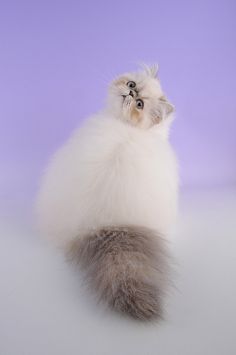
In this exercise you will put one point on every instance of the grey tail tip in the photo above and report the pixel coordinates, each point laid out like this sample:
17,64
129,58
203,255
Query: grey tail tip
127,267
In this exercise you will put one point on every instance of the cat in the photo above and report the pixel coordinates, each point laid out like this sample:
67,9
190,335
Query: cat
109,196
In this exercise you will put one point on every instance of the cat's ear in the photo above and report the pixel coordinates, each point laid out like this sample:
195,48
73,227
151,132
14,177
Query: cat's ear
162,110
166,107
151,70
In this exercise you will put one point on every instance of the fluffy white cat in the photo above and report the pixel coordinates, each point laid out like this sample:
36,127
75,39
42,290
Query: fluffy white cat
110,193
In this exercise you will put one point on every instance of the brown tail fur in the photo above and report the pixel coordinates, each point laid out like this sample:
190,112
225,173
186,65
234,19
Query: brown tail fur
128,268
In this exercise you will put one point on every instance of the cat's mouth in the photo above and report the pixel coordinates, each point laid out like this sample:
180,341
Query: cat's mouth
127,99
127,96
124,97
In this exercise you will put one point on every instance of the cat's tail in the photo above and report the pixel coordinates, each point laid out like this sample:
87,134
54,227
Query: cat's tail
127,267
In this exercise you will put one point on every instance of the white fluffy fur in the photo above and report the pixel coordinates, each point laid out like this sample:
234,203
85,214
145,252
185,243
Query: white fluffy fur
111,172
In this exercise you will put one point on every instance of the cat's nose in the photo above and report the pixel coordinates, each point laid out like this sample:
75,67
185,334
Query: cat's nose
131,93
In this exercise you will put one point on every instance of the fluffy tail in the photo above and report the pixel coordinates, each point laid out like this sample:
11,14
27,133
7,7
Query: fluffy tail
127,267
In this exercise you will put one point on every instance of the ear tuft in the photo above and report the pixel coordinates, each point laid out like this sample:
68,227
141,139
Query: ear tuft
151,70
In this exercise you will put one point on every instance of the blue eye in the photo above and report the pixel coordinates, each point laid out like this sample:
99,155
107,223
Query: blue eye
139,104
131,84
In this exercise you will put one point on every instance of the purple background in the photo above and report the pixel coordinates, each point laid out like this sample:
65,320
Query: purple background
57,57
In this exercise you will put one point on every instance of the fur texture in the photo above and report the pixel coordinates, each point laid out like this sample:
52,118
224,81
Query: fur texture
127,267
117,170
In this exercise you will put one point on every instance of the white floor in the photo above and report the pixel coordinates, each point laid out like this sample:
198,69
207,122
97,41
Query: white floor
45,311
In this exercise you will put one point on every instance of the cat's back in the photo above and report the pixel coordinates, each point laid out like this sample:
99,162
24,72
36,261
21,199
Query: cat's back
74,174
107,173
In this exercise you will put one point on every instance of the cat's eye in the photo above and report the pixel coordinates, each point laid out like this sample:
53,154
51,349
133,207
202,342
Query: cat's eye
139,104
131,84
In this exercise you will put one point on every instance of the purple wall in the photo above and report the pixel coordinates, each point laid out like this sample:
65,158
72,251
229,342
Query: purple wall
56,58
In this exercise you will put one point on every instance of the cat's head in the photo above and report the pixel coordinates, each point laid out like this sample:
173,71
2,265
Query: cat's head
138,99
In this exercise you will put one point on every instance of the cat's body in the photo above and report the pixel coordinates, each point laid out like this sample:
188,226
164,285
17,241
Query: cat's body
108,196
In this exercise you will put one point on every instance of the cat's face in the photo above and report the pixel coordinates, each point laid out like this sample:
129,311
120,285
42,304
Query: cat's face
138,99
